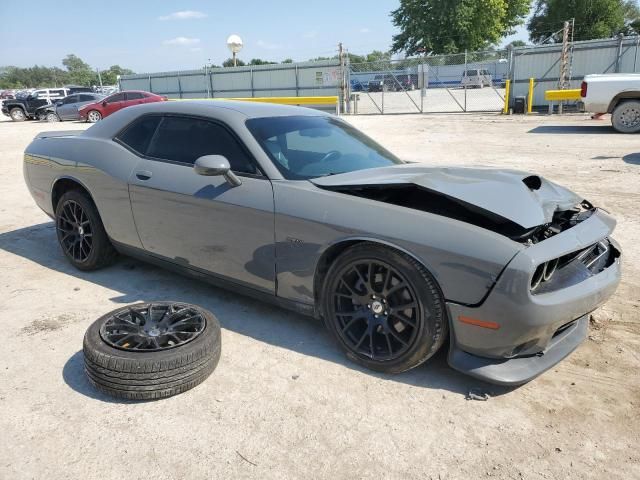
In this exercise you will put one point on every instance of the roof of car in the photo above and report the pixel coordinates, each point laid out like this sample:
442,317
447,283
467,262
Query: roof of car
218,109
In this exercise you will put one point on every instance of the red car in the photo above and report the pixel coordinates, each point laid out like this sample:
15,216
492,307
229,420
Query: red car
94,112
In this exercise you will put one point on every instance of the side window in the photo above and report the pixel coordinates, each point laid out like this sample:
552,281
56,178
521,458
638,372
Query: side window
87,98
184,140
134,96
138,135
70,99
118,97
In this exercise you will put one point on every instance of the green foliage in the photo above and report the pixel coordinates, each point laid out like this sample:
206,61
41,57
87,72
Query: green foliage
287,60
517,43
229,63
593,19
110,76
76,72
452,26
259,61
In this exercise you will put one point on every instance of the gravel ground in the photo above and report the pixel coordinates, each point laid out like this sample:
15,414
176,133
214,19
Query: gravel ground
284,403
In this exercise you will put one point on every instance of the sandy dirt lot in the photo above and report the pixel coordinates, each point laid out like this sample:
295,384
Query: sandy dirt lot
284,402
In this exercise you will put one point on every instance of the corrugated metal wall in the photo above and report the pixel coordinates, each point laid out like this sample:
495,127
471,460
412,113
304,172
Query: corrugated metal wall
617,55
280,80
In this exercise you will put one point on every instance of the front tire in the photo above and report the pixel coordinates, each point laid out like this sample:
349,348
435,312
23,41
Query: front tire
94,116
52,117
626,117
17,114
384,309
81,234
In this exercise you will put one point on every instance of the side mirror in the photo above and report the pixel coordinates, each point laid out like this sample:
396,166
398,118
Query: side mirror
104,103
59,103
215,165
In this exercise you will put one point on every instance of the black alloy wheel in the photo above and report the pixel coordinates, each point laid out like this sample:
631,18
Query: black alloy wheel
384,308
76,231
151,350
376,309
153,327
81,233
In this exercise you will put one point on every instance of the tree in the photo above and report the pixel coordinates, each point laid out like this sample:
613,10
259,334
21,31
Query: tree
452,26
517,43
110,76
259,61
593,19
80,73
287,60
229,63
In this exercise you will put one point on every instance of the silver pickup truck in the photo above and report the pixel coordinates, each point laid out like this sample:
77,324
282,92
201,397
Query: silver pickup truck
617,94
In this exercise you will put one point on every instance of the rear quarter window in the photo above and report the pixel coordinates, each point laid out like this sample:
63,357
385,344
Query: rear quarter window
137,136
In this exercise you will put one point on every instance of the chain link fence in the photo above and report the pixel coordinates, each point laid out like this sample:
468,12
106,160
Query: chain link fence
465,82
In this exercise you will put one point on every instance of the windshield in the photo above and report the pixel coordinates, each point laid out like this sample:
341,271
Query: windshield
308,147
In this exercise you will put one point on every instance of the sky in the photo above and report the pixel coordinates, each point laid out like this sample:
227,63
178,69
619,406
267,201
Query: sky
163,35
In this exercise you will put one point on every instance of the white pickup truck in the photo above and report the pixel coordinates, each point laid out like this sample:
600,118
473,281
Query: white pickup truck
617,94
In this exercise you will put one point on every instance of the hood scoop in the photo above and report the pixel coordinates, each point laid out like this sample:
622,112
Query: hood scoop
533,182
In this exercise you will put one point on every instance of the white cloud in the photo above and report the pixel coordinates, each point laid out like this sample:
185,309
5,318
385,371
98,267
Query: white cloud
364,30
310,34
182,41
183,15
268,45
196,49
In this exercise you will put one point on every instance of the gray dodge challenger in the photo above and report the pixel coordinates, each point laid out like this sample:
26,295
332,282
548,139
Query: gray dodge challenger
297,207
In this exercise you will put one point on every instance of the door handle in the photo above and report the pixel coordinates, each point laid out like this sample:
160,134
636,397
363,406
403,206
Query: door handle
144,174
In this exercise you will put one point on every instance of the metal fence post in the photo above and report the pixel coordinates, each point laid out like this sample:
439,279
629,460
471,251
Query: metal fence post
252,90
465,87
179,88
297,82
619,53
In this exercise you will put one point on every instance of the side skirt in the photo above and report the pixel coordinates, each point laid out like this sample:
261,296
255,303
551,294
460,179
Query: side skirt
216,280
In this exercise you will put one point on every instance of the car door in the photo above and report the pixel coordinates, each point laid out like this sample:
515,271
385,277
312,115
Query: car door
201,221
68,107
112,104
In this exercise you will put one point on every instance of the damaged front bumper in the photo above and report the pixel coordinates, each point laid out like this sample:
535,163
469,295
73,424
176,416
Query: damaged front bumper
515,335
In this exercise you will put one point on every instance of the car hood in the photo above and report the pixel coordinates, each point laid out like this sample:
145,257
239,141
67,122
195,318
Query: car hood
525,199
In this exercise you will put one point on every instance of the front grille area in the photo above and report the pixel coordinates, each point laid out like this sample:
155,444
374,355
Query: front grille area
578,266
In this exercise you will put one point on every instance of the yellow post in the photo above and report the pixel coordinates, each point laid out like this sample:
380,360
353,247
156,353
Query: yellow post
507,87
530,98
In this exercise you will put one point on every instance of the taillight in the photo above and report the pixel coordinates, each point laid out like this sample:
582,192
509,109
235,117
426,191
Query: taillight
583,89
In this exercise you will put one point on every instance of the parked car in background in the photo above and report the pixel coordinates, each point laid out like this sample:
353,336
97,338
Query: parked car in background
96,111
7,94
27,103
67,108
617,94
407,81
78,89
382,83
476,77
358,86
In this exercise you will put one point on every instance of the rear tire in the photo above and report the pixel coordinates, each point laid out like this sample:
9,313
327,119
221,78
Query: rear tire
94,116
385,326
626,117
17,114
81,234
